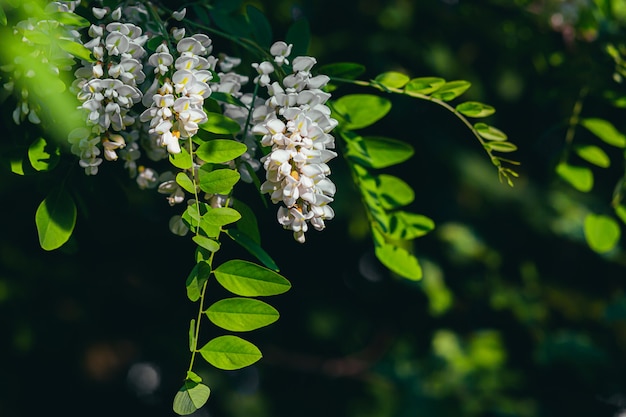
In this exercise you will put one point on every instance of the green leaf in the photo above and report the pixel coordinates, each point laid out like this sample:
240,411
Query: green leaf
501,146
605,131
253,247
399,260
601,232
219,181
261,29
55,219
235,24
580,178
220,124
381,152
76,49
299,35
196,279
490,132
190,397
230,352
241,314
221,216
392,79
620,211
181,160
218,151
70,19
361,110
424,85
407,226
192,335
250,280
206,243
475,109
394,192
593,155
451,90
185,182
43,155
345,70
248,223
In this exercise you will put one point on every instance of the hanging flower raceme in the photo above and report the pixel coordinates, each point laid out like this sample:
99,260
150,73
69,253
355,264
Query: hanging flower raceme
296,125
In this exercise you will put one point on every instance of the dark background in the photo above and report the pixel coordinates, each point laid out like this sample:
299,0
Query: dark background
516,316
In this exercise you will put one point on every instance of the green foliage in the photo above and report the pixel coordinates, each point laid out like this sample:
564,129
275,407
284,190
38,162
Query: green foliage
55,218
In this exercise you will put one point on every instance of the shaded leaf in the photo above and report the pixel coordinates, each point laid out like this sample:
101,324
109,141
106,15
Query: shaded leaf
253,247
241,314
345,70
230,352
250,280
196,279
299,35
190,397
261,29
55,219
601,232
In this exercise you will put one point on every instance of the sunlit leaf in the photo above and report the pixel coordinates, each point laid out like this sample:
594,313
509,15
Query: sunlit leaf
620,211
394,192
192,335
580,178
218,151
207,243
190,397
424,85
70,19
185,182
220,124
451,90
399,260
594,155
3,16
181,160
55,219
601,232
250,280
43,154
604,130
475,109
76,49
392,79
230,352
361,110
221,216
218,181
490,132
501,146
381,152
241,314
407,226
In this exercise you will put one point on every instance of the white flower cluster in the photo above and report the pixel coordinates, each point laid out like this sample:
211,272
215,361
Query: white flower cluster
176,104
296,124
108,89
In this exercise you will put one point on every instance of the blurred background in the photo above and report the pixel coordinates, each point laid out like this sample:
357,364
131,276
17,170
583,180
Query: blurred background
515,316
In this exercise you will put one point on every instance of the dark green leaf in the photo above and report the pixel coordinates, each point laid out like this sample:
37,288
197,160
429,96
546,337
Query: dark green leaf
55,219
248,224
241,314
261,29
253,247
230,352
196,279
227,98
299,35
345,70
250,280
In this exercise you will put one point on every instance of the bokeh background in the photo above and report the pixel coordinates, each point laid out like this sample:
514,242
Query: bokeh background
515,316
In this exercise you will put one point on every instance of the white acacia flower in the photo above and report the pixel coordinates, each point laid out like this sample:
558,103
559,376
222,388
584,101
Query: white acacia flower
179,15
280,51
263,69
